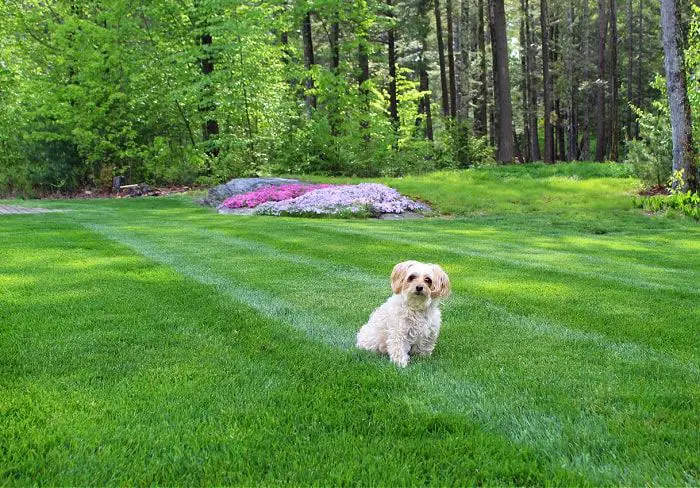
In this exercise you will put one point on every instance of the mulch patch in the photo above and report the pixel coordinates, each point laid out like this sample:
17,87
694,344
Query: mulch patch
655,190
139,191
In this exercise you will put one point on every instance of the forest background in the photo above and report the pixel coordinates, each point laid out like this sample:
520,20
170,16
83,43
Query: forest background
199,91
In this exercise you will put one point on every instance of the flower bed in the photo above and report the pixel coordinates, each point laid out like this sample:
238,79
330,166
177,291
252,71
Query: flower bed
268,194
366,199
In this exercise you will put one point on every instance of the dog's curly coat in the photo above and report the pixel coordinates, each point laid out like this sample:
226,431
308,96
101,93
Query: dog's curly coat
409,321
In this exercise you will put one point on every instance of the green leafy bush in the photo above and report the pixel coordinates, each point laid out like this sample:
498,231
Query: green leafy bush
686,203
652,155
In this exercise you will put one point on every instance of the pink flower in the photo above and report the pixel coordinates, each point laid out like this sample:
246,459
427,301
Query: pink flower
269,194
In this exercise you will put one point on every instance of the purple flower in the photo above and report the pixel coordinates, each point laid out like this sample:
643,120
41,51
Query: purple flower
268,194
371,198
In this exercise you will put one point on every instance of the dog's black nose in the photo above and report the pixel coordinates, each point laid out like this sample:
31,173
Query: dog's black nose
419,288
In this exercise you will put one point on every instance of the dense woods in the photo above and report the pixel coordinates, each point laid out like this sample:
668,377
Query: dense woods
204,90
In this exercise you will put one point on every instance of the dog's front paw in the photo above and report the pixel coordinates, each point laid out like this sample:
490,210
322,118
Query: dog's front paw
400,361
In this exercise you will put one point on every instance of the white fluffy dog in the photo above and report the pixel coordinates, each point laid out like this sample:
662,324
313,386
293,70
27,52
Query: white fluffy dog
409,321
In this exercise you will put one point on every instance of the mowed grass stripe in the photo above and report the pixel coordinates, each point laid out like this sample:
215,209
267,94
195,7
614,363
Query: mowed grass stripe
263,302
497,407
521,263
332,271
468,398
202,402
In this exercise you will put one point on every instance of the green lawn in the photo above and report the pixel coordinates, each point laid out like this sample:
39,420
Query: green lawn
152,341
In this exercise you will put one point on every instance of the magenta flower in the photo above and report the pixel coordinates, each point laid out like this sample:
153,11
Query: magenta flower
365,198
268,194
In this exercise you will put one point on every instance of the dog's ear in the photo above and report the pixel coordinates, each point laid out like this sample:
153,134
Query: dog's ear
441,283
398,275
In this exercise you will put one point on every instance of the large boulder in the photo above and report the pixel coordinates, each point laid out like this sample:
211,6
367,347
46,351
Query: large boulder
241,185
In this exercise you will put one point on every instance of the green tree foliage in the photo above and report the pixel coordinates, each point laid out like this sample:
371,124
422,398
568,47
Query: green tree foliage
651,155
90,90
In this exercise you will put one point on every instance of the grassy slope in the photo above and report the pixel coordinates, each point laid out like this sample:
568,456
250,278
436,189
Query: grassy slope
152,341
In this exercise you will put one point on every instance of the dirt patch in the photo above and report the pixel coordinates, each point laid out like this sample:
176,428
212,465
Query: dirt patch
17,209
655,190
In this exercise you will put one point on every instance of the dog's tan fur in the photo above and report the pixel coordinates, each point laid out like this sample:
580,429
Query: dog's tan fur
408,322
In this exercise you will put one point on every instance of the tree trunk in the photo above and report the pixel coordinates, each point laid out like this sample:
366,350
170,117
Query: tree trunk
493,132
640,51
462,82
586,139
602,36
548,129
335,47
480,111
391,40
308,62
210,128
681,125
441,60
534,141
451,59
630,54
573,106
504,152
462,78
560,142
424,107
524,87
614,109
334,117
423,25
363,62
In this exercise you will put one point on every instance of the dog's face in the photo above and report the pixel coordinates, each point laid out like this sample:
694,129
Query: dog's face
419,282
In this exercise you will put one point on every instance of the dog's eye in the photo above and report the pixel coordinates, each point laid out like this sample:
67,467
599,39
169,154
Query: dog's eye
428,281
412,277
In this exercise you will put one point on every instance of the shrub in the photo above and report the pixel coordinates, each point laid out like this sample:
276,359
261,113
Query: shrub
652,155
687,203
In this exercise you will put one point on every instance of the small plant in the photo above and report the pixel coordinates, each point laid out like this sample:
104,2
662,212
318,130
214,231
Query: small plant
652,155
685,202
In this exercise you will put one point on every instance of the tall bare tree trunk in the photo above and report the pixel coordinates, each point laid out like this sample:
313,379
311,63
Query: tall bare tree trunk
630,58
601,134
493,130
548,129
525,84
424,81
335,46
480,113
462,83
586,139
462,61
451,58
210,128
639,99
684,156
614,88
391,41
363,63
441,60
573,106
532,116
560,139
505,148
308,62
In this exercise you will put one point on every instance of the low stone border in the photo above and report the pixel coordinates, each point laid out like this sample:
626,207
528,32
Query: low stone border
16,209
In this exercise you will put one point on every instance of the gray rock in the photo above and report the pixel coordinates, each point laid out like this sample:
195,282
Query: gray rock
236,211
237,186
